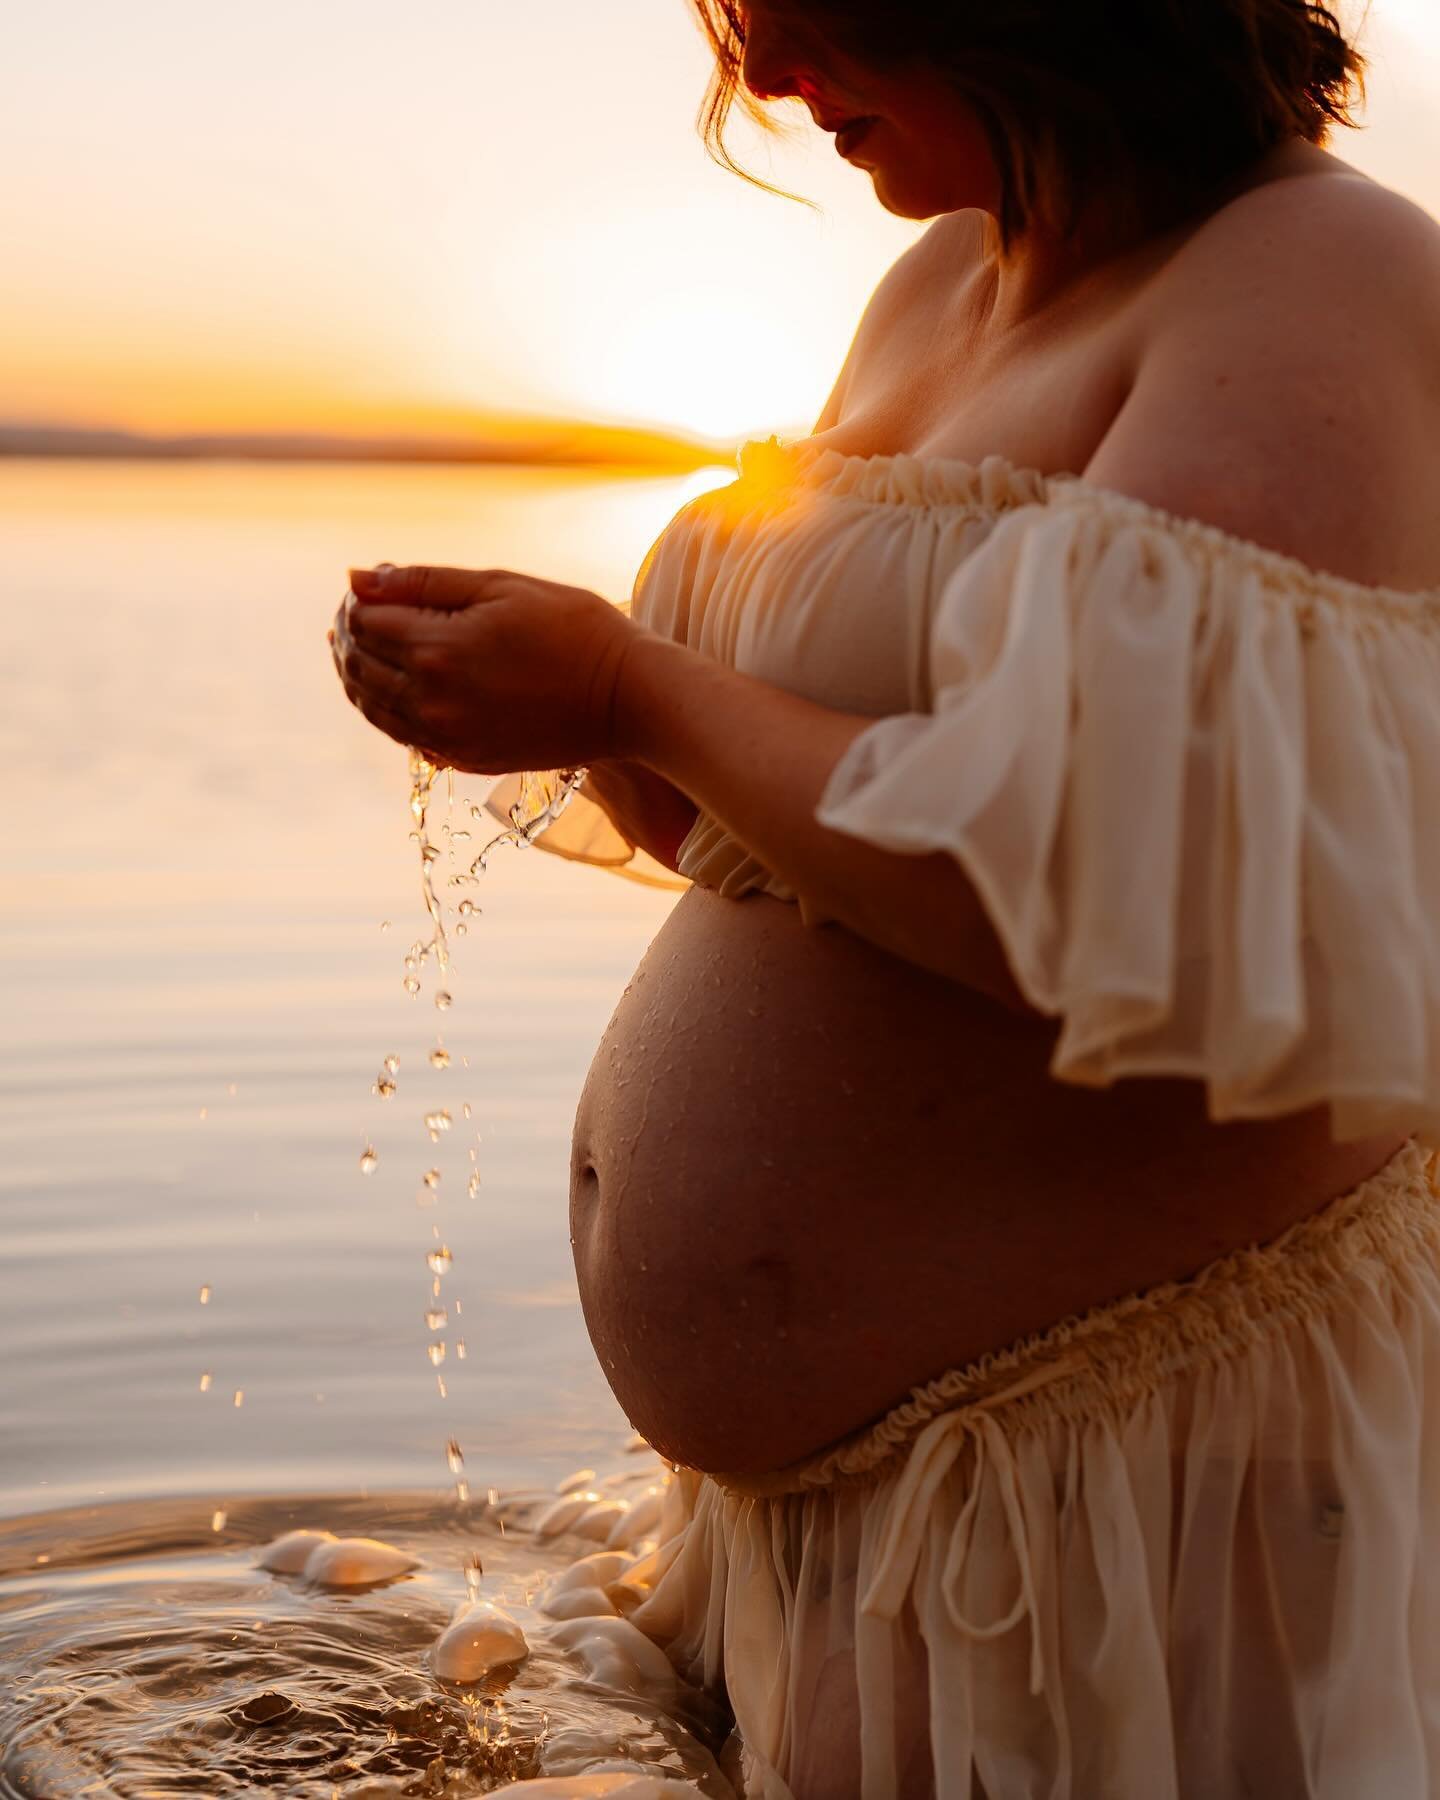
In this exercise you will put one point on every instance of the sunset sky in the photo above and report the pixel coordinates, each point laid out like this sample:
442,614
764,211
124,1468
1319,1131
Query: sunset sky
308,214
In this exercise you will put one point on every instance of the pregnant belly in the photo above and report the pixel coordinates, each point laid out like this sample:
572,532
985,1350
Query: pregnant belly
808,1176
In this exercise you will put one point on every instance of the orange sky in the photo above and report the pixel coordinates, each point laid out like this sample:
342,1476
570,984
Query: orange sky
325,216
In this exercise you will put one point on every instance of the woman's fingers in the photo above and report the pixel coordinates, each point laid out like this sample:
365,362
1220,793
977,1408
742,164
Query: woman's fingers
385,649
383,716
374,675
391,632
425,585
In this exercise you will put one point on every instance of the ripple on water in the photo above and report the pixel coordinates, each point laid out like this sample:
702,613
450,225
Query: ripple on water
148,1655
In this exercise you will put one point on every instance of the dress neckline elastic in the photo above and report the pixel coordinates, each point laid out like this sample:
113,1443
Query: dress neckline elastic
995,484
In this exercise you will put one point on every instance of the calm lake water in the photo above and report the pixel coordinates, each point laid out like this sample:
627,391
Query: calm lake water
202,840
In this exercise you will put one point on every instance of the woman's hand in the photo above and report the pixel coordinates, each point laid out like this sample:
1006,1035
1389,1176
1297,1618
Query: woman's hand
486,671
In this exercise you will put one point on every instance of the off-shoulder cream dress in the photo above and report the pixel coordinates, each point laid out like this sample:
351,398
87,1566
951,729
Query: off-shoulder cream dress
1187,1545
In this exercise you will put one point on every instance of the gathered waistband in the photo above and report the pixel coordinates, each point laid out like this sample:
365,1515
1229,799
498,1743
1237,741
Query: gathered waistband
1105,1361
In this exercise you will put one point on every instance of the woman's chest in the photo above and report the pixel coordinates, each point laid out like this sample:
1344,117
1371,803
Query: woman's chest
1043,400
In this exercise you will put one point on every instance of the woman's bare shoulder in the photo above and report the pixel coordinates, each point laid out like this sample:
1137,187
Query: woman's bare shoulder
1288,383
1321,252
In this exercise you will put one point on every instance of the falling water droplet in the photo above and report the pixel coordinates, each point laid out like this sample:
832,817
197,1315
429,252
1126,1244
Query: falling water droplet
412,986
205,1294
460,1348
432,1178
204,1112
239,1396
462,1491
439,1057
392,1064
368,1159
439,1259
442,999
384,1087
435,1317
436,1353
455,1456
384,924
217,1520
441,1388
465,1110
438,1121
472,1187
205,1381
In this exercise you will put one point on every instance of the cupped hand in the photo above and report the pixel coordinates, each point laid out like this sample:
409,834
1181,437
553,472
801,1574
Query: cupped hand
483,670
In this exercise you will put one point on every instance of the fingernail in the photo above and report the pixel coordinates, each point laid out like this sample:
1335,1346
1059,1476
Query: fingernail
365,582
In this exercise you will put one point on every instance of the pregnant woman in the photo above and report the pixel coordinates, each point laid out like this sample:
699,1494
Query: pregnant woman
1005,1188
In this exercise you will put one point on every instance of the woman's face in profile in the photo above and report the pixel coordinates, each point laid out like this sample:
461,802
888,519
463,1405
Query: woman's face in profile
922,145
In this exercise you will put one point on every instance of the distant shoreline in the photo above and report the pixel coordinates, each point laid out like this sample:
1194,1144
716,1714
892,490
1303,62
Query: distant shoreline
561,445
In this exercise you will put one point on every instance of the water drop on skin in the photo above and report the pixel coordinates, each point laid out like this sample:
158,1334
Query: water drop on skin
467,908
368,1159
412,986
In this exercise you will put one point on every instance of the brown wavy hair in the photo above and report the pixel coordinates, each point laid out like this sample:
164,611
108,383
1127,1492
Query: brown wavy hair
1157,102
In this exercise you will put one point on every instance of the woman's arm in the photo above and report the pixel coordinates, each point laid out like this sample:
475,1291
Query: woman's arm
757,758
492,671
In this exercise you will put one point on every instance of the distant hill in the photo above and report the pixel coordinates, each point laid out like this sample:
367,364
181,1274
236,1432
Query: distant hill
558,442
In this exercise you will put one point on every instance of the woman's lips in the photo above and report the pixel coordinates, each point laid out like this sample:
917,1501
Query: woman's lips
849,136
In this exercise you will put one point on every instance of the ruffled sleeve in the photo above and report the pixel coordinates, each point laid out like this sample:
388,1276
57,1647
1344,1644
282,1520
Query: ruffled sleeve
1196,785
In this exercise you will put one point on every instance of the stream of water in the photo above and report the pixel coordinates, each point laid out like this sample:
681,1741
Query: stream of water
215,1325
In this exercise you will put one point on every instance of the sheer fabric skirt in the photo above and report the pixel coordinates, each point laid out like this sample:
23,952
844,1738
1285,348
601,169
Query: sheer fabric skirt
1185,1546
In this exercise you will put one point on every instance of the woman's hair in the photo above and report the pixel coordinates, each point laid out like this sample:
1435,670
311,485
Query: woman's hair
1157,102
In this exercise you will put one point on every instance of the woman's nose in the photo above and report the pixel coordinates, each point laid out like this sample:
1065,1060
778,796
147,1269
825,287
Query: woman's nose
769,65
